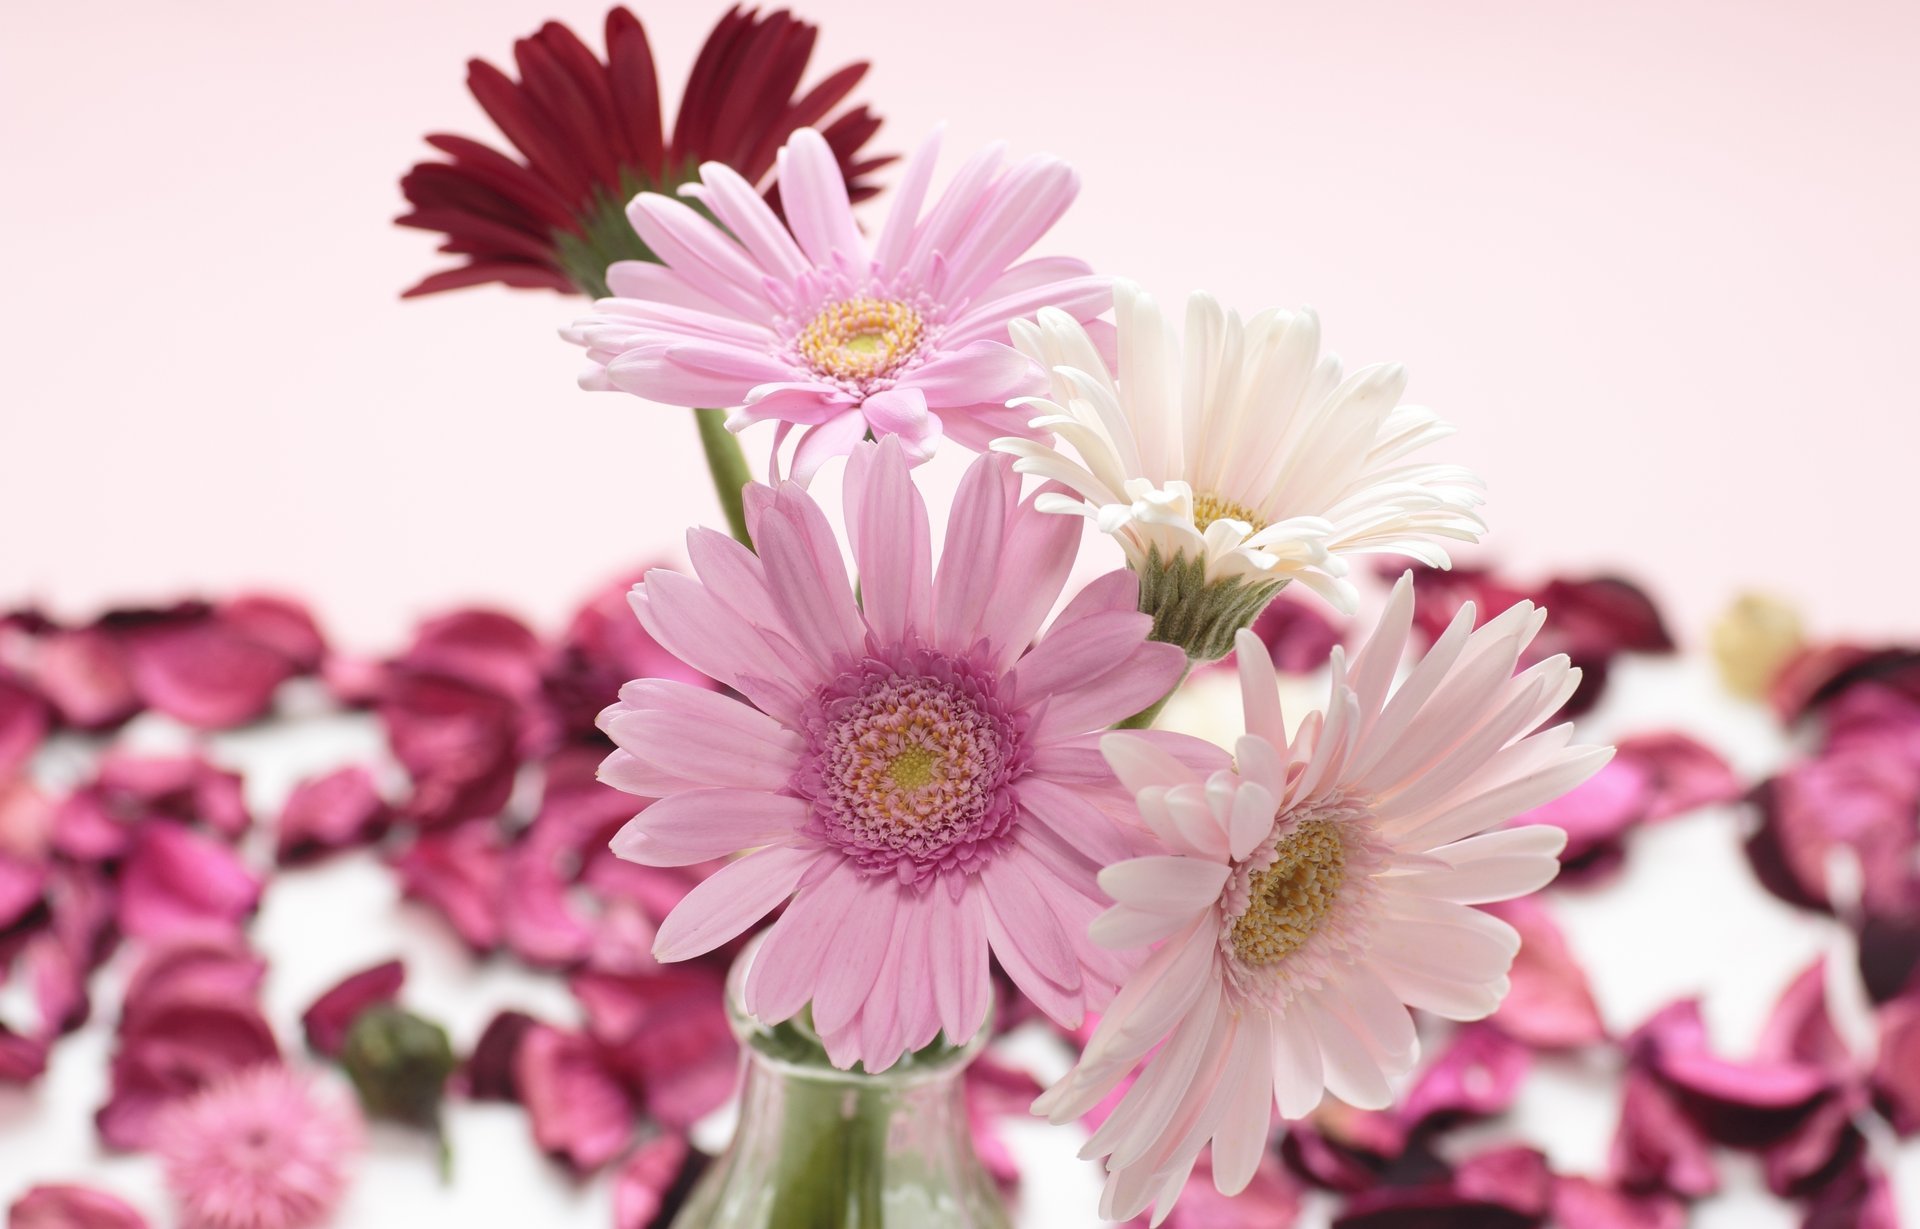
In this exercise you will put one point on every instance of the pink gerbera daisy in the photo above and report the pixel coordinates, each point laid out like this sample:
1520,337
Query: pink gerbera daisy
914,770
1307,897
261,1149
816,327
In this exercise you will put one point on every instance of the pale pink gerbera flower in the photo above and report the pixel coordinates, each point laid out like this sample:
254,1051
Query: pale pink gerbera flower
261,1149
815,327
914,769
1308,897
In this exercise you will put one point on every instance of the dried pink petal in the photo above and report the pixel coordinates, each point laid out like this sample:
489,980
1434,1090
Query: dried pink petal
24,721
339,810
83,673
279,623
1743,1104
1509,1188
1851,801
326,1022
64,1206
1657,1147
180,882
489,1070
995,1092
583,1113
1271,1201
1860,1198
1582,1203
170,1048
1896,1068
653,1181
211,967
201,670
459,743
668,1031
22,1059
604,647
458,872
23,887
1550,1005
184,788
1476,1076
482,648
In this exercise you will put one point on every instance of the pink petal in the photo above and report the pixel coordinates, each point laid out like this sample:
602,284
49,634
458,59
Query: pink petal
337,811
982,371
1582,1203
83,673
459,873
902,412
666,1030
168,1049
582,1113
887,527
644,1190
734,898
326,1022
205,671
72,1207
178,881
1478,1076
834,438
1550,1005
814,197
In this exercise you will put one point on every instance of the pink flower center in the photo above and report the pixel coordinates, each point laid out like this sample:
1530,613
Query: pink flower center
1297,909
908,765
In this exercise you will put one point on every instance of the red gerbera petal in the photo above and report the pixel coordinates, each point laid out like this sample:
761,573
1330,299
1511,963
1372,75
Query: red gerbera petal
589,137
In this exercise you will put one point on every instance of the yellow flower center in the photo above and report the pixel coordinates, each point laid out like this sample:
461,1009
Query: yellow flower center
860,339
912,768
1288,900
1208,508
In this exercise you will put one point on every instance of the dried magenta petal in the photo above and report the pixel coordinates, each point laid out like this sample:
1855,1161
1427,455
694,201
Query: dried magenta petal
327,1021
339,810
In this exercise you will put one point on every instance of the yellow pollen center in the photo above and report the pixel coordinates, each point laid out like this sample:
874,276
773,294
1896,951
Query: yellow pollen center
1208,508
860,339
912,768
1288,901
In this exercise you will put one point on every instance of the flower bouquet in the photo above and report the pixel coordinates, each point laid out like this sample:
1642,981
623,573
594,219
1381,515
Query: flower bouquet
927,768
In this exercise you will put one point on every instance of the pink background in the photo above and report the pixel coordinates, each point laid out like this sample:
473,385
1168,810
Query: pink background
1658,262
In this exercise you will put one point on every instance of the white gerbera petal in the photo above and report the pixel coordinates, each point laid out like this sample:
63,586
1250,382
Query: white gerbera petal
1261,431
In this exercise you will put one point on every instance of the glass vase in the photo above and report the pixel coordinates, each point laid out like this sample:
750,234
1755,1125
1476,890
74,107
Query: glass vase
821,1148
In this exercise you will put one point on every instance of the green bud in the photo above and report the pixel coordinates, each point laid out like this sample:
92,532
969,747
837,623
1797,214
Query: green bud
399,1064
1198,614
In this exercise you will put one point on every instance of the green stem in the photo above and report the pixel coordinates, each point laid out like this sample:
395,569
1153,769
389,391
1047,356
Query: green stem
728,465
832,1153
1145,718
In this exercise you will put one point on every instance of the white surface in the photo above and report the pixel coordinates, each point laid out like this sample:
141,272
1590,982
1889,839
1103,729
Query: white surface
1684,918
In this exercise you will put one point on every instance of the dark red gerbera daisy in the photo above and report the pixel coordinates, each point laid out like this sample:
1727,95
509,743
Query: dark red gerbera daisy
591,136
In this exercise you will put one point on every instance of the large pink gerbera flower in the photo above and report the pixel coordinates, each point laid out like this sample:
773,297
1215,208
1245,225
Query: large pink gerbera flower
1306,898
816,327
912,767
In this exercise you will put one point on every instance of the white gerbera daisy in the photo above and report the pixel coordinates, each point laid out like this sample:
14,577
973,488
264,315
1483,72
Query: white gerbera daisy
1310,895
1250,457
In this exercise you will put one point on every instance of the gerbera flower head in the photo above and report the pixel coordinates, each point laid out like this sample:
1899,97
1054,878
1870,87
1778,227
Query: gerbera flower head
1307,897
259,1149
590,134
1243,464
811,325
913,770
